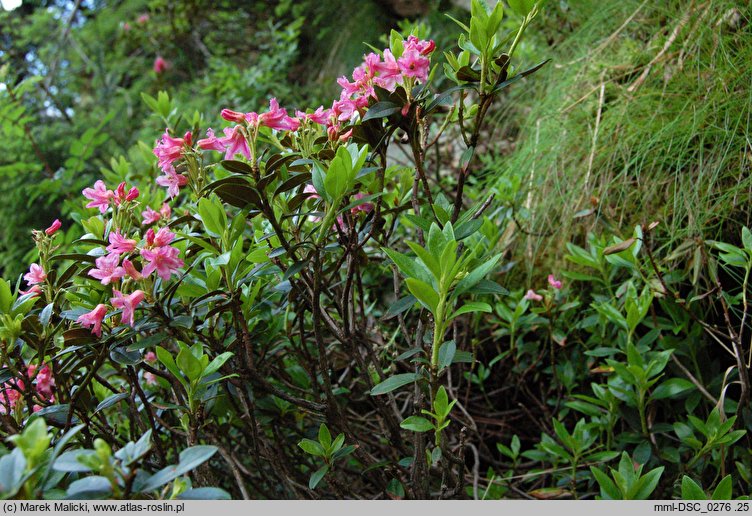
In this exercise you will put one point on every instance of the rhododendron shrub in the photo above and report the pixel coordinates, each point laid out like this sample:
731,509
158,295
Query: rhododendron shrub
280,278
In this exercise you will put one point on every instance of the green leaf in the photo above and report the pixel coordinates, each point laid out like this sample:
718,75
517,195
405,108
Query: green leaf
190,459
6,297
522,7
399,306
12,469
407,266
218,362
89,487
417,424
446,354
213,216
317,476
381,109
609,491
747,238
476,275
645,486
424,293
204,493
325,437
723,489
393,382
189,365
691,490
166,359
33,441
110,401
672,388
312,447
472,306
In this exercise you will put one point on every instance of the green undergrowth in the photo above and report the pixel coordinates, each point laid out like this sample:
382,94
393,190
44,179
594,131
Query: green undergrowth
604,148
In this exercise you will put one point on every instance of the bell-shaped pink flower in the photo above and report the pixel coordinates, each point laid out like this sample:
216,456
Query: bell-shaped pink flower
163,237
160,65
554,282
53,228
235,142
127,304
100,196
119,244
169,149
107,269
320,116
531,295
211,142
131,270
277,118
150,216
93,319
164,260
172,181
36,274
389,72
413,64
232,116
165,211
364,207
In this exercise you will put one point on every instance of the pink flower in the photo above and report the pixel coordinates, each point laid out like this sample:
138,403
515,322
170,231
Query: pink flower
36,290
423,47
36,275
160,65
320,116
413,64
43,380
165,211
164,260
348,88
163,237
9,396
169,149
127,304
100,196
53,227
120,196
276,118
311,190
150,216
107,269
172,181
389,72
554,282
143,19
211,142
364,207
235,142
150,357
344,108
232,116
94,318
119,244
150,378
532,296
126,26
131,270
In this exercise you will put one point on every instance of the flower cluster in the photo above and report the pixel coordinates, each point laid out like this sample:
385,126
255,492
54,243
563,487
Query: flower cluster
42,383
385,71
154,250
168,150
532,295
